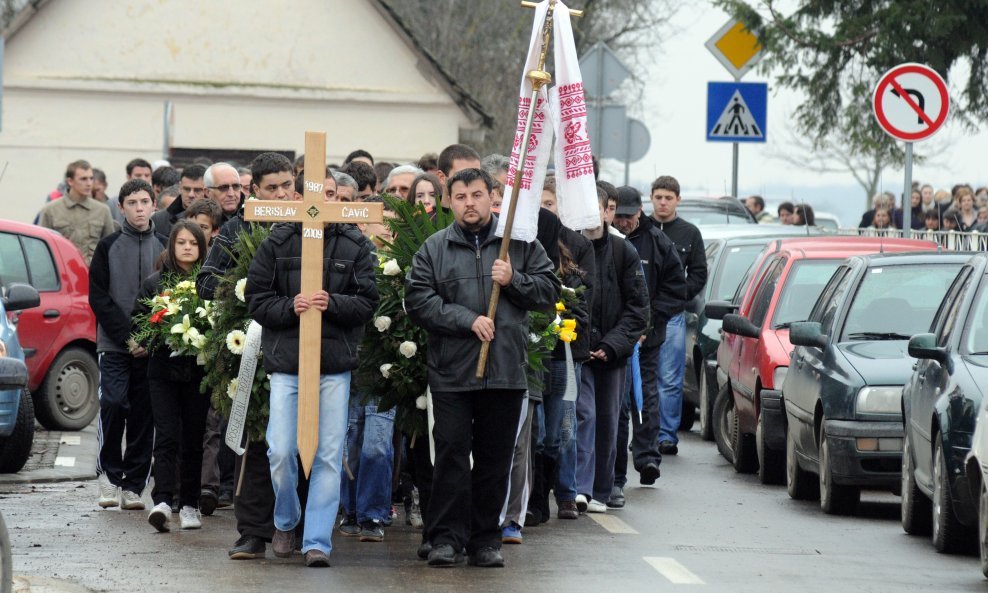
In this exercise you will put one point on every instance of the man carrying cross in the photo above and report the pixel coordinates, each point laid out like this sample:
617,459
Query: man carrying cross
345,298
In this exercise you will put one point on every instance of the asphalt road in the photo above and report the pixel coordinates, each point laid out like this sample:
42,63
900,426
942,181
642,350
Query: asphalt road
704,528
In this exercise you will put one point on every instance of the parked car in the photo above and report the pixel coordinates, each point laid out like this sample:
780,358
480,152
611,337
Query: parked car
707,211
843,390
59,336
731,250
16,409
753,357
940,405
976,471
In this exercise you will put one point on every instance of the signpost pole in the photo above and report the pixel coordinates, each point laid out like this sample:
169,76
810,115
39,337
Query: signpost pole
734,172
907,193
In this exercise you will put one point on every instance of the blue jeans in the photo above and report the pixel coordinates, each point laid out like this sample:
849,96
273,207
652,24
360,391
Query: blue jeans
559,442
324,480
672,367
370,455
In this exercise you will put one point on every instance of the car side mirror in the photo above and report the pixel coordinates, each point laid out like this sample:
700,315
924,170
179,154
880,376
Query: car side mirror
925,346
718,309
807,333
738,324
21,296
13,374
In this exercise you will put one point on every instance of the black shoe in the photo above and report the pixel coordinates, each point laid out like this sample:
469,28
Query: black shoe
668,448
650,473
248,547
207,502
225,501
372,531
444,555
423,551
487,558
616,500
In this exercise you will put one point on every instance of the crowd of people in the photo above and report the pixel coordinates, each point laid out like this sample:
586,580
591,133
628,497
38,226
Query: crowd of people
498,451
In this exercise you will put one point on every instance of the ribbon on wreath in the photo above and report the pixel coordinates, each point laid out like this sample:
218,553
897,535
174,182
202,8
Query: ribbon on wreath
245,384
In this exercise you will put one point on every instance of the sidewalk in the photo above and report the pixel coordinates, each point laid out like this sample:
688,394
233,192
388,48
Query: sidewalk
29,584
58,457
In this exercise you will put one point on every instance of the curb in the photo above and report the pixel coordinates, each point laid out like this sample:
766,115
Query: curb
75,461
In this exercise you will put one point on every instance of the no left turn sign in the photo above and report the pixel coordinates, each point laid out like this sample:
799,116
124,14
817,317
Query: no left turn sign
911,102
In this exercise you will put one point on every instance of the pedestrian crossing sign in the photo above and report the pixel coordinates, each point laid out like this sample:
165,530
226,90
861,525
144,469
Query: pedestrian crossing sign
736,111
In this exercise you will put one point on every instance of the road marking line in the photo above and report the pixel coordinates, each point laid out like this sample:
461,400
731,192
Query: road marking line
70,440
612,523
674,571
65,462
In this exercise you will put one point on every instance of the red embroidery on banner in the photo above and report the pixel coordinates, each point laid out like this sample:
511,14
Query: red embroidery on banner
538,123
576,138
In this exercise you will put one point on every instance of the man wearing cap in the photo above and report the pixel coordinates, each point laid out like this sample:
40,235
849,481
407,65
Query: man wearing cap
666,285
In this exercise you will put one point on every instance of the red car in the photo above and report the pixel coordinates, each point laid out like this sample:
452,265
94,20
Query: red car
753,355
59,336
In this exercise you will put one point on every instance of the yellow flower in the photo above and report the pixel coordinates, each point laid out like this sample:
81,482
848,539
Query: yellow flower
560,307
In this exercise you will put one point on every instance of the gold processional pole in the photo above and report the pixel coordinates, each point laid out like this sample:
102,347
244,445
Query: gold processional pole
539,78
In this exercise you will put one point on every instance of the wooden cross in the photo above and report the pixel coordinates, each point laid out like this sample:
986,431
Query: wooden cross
314,213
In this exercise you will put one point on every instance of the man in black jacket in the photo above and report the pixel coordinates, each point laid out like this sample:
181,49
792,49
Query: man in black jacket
447,293
618,318
666,285
272,179
672,355
347,301
190,189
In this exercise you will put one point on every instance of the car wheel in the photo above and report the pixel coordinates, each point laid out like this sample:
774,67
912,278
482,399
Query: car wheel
835,499
799,482
949,535
771,463
983,528
723,422
706,409
16,448
743,445
915,506
69,396
687,417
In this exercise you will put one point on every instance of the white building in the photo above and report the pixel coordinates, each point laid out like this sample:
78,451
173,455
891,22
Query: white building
90,79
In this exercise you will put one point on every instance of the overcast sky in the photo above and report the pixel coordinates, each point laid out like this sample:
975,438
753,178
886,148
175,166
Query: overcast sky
675,107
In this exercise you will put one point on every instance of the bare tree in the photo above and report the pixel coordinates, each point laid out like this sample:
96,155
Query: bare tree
483,44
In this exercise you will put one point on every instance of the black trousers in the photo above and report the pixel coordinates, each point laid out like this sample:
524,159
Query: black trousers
645,434
217,459
179,423
466,504
124,408
420,464
254,507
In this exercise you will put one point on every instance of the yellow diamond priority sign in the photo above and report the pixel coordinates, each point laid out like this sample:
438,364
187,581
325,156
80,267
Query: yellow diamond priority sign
735,47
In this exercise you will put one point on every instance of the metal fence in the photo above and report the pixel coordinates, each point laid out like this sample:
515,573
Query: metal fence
948,240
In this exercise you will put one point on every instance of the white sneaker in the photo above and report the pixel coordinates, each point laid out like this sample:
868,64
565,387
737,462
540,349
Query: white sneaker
581,503
160,517
108,495
595,506
132,501
189,518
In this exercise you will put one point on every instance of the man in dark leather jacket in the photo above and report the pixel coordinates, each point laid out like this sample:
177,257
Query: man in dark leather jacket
347,301
447,293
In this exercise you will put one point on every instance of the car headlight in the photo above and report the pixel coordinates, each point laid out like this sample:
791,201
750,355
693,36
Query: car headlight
779,377
879,400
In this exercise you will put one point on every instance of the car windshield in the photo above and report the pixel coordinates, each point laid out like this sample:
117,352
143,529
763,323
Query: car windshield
896,302
976,340
735,261
803,286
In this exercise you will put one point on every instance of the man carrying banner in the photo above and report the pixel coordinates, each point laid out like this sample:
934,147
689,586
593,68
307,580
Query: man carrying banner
447,292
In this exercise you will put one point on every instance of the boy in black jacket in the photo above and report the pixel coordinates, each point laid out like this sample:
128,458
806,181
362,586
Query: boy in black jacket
672,356
120,263
347,301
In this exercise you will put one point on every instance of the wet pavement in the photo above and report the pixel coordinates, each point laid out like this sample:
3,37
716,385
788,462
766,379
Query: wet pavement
703,528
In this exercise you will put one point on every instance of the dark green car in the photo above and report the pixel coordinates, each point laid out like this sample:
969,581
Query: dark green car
940,404
843,391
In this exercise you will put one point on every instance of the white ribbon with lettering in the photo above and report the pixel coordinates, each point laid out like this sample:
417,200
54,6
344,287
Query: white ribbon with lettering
571,388
245,383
